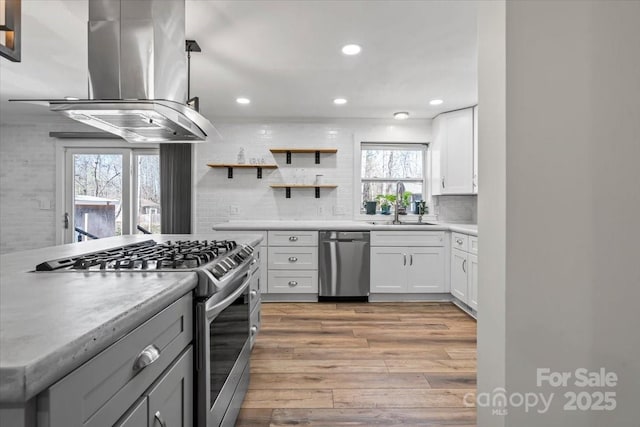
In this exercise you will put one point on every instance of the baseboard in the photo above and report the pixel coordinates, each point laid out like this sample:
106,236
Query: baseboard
443,297
289,297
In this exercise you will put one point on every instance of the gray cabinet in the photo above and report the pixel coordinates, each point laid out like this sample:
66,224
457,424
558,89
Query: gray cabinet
171,399
137,417
115,385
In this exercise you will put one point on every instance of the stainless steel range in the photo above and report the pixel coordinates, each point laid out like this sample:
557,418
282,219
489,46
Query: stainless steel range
226,294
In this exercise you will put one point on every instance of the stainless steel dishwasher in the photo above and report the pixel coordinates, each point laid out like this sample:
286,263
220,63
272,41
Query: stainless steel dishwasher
344,264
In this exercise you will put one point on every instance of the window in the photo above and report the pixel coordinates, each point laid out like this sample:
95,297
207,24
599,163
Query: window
382,166
110,192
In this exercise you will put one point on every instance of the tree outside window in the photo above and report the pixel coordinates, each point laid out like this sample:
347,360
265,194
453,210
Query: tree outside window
383,165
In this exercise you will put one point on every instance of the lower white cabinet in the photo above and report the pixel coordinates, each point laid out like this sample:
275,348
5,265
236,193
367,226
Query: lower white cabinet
293,281
293,262
407,269
459,276
464,276
472,300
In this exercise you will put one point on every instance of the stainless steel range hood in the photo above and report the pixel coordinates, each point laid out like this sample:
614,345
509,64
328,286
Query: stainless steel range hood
138,74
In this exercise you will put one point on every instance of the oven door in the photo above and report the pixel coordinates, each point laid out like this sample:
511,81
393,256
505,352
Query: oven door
223,349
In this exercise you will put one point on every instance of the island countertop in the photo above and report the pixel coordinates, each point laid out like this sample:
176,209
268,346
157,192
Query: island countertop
53,322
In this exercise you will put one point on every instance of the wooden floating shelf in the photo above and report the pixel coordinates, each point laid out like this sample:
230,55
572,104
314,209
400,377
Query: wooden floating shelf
288,188
317,152
231,166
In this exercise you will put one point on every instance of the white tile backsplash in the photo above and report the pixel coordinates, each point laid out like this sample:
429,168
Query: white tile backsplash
460,209
28,173
27,188
245,197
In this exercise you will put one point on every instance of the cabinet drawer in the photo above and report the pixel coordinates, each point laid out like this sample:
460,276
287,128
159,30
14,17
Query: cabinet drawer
460,241
256,322
293,282
254,291
293,258
102,389
473,244
407,238
293,238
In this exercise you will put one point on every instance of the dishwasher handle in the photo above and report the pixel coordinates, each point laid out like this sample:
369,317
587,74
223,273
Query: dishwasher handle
344,236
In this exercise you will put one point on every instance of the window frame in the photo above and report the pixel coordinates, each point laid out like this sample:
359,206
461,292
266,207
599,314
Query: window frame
64,181
358,179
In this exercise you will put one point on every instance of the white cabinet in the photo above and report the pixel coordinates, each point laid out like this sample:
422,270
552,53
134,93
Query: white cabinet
388,270
293,262
407,262
459,277
475,150
426,270
452,153
464,269
472,299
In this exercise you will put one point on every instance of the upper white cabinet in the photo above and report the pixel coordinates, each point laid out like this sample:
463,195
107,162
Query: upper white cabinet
452,153
475,150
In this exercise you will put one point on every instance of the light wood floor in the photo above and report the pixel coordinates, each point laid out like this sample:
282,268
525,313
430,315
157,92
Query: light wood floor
359,364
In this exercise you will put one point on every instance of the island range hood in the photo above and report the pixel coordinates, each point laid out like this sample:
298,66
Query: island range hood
138,74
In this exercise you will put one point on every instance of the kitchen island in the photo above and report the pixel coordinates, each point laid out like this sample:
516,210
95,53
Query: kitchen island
55,323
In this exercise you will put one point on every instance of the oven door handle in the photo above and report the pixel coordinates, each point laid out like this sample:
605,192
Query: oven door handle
212,311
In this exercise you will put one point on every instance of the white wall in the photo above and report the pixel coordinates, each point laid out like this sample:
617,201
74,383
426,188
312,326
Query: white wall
27,188
491,204
245,197
572,145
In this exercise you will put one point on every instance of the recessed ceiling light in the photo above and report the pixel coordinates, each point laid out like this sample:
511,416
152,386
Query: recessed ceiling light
339,101
351,49
436,101
243,101
401,115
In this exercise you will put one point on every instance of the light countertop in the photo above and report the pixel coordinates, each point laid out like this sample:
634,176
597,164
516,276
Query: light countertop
53,322
378,225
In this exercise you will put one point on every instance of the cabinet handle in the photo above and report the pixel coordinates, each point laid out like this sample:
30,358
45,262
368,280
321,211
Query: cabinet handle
443,182
146,357
158,417
411,259
293,239
254,293
254,330
293,259
405,258
464,262
293,283
459,241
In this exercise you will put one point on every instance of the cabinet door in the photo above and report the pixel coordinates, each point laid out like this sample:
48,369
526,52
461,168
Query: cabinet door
475,150
137,417
458,166
171,400
436,154
389,269
459,274
472,299
426,270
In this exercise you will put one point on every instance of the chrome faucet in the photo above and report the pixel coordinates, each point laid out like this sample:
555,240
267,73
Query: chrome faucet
399,193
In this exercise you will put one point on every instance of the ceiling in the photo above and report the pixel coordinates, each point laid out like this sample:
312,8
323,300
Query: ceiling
283,55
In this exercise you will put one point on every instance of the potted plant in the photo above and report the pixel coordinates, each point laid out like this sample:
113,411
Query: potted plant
406,200
385,203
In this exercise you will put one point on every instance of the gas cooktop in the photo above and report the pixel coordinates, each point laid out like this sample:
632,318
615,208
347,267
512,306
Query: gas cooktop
146,255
